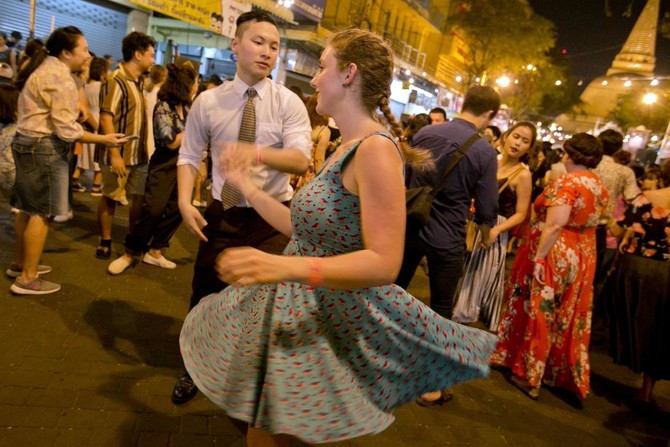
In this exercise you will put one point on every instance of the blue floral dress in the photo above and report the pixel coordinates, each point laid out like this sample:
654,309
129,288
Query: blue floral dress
320,364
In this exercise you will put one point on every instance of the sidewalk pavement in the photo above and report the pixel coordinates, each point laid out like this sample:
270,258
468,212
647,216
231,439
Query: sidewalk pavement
94,365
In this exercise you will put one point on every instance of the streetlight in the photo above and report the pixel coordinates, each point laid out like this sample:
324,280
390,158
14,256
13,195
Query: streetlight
503,81
649,98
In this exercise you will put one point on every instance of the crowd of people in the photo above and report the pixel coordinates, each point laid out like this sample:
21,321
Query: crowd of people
299,322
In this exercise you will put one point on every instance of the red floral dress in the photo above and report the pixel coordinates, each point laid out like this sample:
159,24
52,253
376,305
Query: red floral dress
545,331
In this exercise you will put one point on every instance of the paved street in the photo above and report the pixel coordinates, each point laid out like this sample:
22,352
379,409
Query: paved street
94,365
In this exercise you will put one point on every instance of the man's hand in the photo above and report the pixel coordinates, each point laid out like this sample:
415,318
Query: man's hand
193,220
118,166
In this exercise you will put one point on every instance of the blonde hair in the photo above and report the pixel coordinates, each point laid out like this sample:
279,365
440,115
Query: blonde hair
374,60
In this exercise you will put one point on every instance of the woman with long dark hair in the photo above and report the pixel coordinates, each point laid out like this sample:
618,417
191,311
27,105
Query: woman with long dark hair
481,294
160,215
43,149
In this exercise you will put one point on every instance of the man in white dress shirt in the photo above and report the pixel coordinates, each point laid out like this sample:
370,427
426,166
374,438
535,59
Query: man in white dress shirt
282,146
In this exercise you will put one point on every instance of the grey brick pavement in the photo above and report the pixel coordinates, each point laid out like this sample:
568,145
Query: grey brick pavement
94,365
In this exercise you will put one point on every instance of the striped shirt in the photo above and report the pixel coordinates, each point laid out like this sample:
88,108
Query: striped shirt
122,97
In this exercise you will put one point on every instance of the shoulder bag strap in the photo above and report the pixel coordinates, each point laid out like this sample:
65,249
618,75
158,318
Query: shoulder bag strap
510,178
458,155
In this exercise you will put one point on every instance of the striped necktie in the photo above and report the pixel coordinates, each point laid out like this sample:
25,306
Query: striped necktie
230,196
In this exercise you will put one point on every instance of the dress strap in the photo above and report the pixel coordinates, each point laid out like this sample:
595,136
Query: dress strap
352,150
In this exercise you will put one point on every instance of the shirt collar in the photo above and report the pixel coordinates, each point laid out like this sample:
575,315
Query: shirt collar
123,70
59,63
241,87
467,123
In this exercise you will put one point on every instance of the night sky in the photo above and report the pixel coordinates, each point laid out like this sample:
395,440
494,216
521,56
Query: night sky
591,39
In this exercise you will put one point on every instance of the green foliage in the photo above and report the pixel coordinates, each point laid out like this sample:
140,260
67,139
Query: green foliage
503,35
503,38
632,112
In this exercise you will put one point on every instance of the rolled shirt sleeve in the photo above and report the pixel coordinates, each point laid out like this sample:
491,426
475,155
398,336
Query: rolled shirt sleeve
196,137
297,129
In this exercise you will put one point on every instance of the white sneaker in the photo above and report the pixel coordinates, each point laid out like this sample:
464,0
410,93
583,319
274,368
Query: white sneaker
159,262
62,218
119,265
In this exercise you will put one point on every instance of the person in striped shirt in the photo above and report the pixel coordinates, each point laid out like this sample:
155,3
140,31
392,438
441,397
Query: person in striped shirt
123,109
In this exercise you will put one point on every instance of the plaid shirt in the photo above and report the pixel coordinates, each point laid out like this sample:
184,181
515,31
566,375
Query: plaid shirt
618,179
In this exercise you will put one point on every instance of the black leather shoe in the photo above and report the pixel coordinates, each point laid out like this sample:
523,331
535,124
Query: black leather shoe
184,390
445,396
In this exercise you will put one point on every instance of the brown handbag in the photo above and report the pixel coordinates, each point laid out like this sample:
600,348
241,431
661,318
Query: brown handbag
471,226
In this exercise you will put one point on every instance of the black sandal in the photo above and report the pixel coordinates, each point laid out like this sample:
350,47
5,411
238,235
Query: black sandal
184,390
104,250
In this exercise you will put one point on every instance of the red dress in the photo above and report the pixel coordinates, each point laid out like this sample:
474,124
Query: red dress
545,331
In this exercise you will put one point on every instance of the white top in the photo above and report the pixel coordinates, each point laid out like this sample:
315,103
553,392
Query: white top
215,118
92,92
152,99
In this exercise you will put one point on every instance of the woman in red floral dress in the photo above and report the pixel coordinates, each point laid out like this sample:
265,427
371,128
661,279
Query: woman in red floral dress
545,331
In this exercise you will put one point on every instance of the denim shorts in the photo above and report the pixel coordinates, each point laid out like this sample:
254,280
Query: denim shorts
42,175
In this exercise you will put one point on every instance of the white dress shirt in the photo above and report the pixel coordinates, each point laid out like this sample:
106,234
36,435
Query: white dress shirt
215,118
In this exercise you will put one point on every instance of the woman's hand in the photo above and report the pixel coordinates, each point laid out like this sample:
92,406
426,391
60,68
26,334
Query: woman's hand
244,266
539,270
493,235
114,139
236,160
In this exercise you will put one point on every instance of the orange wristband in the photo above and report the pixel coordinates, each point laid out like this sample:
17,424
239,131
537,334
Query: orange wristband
315,272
